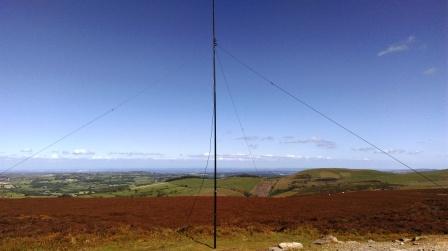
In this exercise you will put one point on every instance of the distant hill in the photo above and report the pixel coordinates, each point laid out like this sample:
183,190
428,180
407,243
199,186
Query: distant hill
189,186
322,180
341,180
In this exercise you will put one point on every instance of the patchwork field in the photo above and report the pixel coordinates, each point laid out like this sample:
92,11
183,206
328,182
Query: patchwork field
143,184
340,179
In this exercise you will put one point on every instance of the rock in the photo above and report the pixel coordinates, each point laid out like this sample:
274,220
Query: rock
327,239
275,249
399,242
321,242
417,238
290,245
405,239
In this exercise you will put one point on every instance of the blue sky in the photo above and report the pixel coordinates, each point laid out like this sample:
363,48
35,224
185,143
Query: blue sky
378,67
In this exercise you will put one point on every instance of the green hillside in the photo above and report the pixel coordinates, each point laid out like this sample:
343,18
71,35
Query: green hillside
229,186
323,180
340,179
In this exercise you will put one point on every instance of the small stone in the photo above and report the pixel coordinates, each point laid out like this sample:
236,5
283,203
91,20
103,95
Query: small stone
405,239
327,239
417,238
290,245
274,249
370,241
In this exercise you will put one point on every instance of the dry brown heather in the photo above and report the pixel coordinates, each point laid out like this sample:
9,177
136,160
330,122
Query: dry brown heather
412,211
245,223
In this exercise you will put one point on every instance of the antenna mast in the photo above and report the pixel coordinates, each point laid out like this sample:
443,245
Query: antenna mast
214,124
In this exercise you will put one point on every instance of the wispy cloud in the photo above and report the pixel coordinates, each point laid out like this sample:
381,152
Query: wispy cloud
82,151
389,151
131,154
54,156
248,138
266,157
364,149
398,47
322,143
26,150
86,154
256,138
414,152
430,71
253,146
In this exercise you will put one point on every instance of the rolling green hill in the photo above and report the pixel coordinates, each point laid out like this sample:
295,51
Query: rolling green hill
340,179
306,182
188,186
323,180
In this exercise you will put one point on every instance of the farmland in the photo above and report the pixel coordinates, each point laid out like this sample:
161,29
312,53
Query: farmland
145,184
339,180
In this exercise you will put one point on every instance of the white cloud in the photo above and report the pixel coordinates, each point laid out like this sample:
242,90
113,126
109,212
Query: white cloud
264,157
414,152
141,155
130,154
253,146
322,143
398,47
82,151
248,138
389,151
101,157
363,149
26,150
256,138
430,71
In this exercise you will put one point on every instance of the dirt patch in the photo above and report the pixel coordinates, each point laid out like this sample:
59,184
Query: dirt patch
416,211
263,188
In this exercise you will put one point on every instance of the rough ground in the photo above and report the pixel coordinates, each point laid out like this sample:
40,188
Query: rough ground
429,243
418,211
263,188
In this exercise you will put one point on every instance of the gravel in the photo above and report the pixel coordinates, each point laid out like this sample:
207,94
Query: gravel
429,243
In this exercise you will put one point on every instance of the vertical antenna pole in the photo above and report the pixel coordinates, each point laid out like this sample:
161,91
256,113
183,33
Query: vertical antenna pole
214,124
